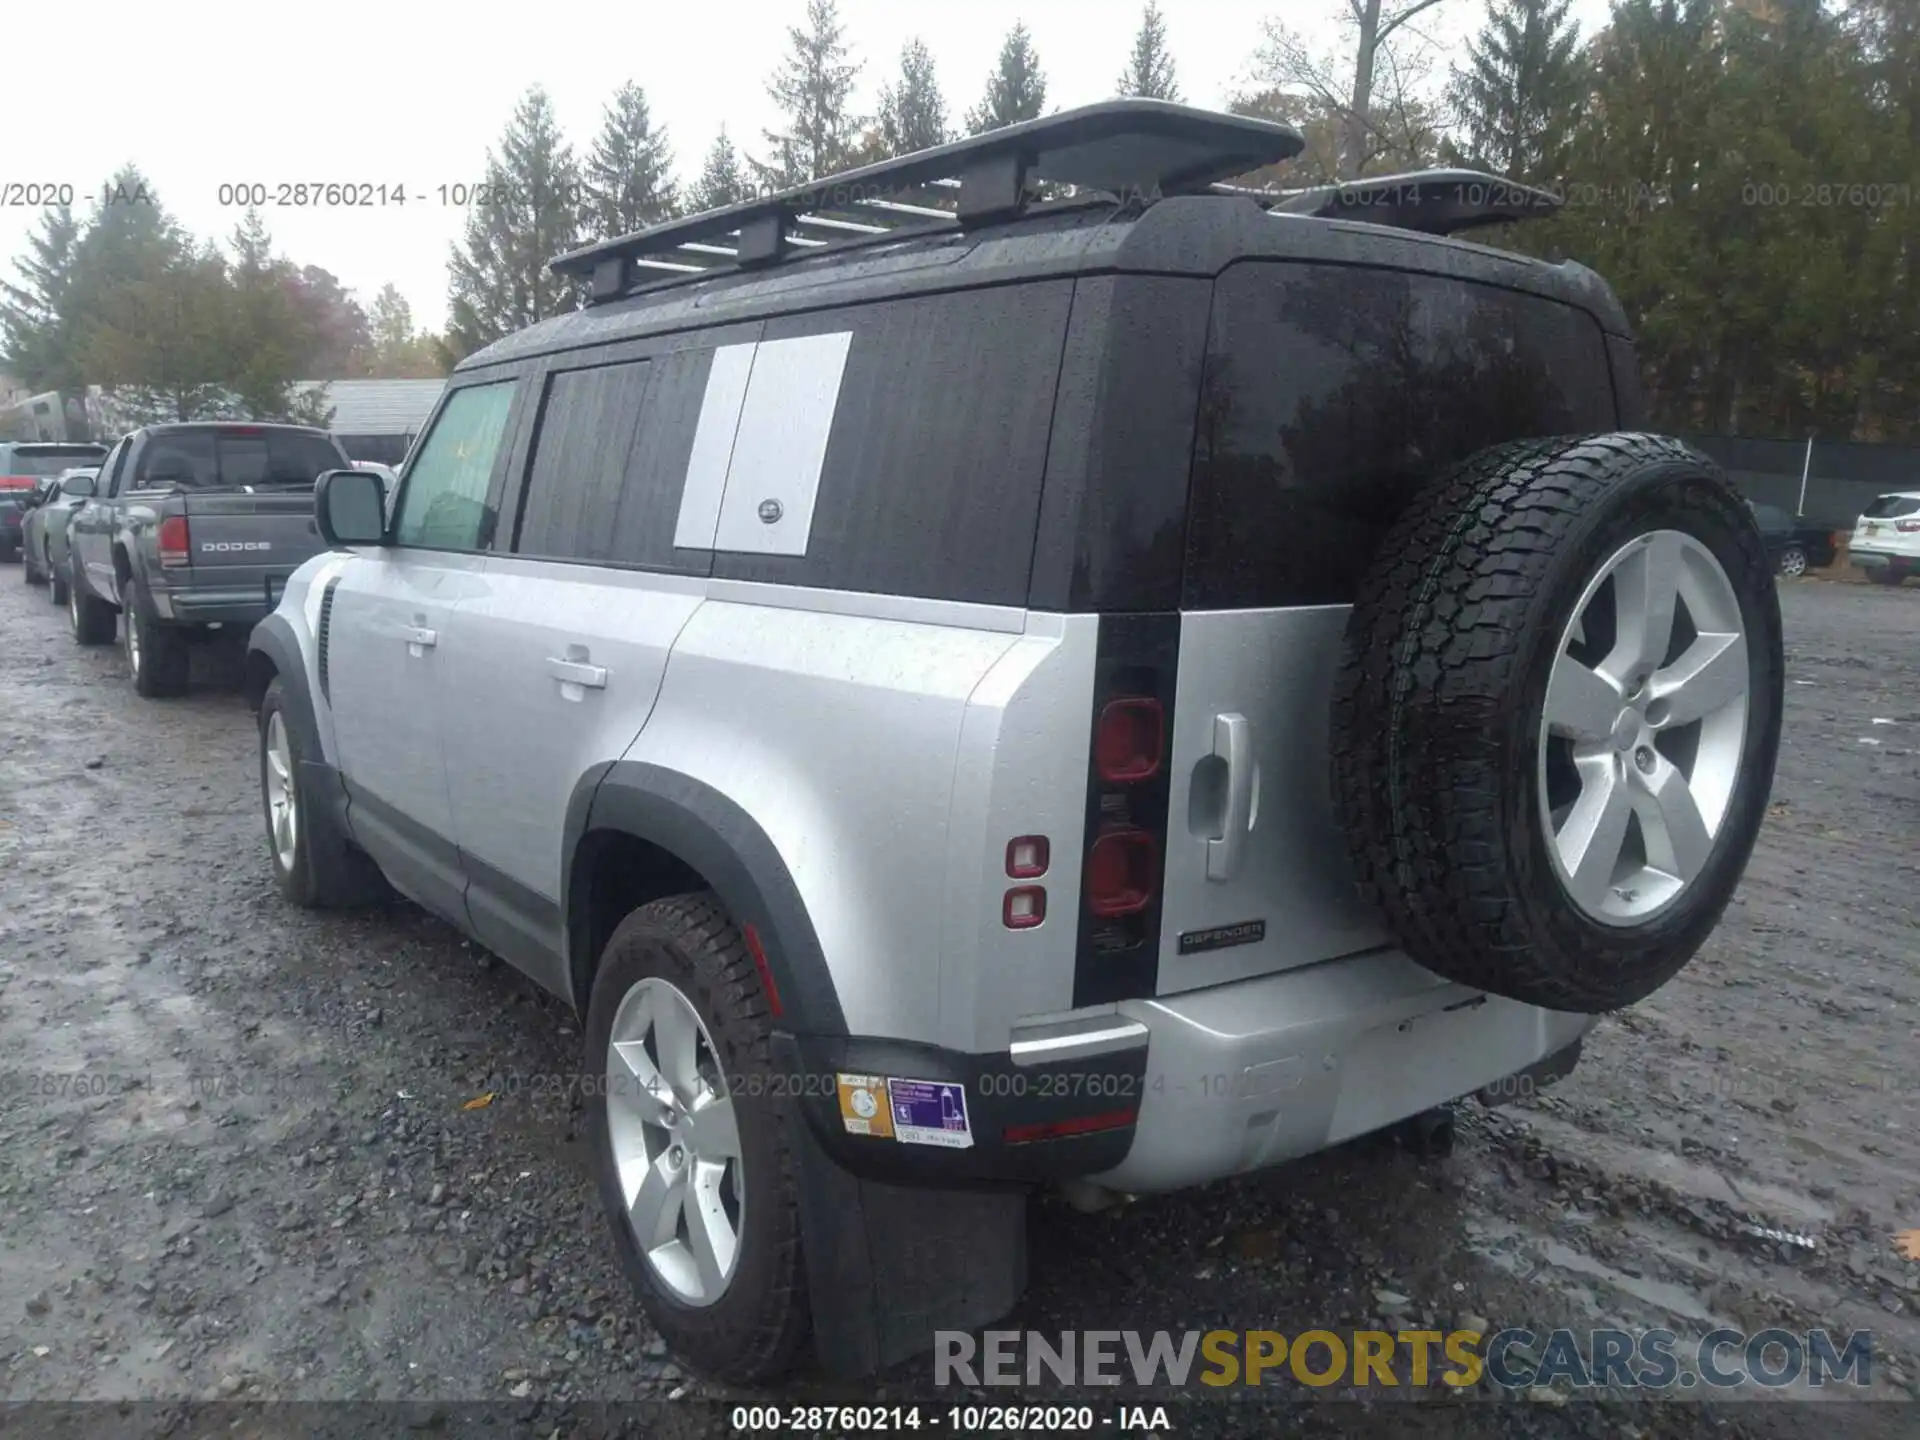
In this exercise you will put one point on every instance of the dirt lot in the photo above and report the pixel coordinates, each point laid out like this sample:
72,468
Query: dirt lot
234,1158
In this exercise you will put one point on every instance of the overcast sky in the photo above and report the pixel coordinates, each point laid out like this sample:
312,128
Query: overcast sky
411,94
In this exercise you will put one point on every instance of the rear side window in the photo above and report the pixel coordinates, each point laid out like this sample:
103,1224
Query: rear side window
589,425
1333,392
935,413
1891,507
209,459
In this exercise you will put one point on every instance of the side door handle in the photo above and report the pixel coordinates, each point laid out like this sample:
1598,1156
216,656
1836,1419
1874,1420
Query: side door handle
420,638
1233,743
572,669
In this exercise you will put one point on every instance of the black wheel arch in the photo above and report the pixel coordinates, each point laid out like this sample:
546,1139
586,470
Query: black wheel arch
695,826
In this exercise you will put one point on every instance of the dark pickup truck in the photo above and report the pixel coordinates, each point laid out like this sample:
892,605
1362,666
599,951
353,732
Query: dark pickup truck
194,528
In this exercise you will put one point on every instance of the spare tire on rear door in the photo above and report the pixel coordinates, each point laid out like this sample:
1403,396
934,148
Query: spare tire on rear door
1556,718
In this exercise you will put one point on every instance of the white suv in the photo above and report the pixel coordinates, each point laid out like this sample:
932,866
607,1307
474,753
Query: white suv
1886,538
966,691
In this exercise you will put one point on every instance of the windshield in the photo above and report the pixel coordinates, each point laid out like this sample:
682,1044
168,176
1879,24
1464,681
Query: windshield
225,459
1887,507
47,461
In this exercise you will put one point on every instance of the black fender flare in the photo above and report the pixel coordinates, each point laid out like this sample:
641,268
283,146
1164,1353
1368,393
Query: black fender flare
707,831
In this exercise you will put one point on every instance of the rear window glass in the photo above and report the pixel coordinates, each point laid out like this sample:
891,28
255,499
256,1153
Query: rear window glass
1332,393
208,459
1889,507
48,460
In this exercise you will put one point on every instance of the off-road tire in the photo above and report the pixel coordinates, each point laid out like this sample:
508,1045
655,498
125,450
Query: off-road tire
328,872
1438,707
94,620
754,1332
162,663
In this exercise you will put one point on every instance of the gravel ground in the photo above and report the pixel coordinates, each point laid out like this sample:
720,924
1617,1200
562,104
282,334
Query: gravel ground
235,1158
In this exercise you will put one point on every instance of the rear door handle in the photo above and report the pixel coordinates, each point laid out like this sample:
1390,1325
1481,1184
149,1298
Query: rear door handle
1233,743
577,672
421,638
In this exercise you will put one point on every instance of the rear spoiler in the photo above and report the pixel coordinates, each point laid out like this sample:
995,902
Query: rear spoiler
1434,202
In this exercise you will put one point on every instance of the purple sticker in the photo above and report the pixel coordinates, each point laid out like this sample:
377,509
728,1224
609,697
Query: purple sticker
930,1112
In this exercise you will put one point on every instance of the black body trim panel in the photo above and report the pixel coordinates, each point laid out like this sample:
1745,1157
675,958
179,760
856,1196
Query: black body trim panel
422,865
998,1094
520,925
707,831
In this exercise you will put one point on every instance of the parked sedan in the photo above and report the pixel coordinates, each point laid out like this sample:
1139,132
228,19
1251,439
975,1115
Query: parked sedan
1794,546
22,465
43,545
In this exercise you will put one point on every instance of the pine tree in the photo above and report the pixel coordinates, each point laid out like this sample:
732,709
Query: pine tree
395,350
38,325
1016,91
498,276
814,89
722,181
1522,90
628,175
165,338
913,113
270,335
1149,72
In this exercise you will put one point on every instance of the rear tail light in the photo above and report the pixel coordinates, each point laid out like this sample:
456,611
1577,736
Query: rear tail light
1908,527
1128,741
1024,907
173,540
1027,857
16,482
1117,945
1123,871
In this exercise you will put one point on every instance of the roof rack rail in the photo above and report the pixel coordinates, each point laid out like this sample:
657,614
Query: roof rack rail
1123,147
1435,202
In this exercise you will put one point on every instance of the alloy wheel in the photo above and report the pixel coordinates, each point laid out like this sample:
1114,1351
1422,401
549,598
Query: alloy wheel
283,799
675,1142
1643,729
1793,563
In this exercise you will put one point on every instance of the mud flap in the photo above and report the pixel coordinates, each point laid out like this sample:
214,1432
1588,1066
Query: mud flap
888,1266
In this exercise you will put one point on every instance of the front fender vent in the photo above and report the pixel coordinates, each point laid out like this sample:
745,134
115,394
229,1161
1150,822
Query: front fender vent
326,626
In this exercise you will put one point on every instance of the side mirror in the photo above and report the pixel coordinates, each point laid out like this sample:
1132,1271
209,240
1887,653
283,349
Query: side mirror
350,506
81,486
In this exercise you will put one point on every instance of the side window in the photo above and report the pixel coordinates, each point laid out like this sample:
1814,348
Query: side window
896,448
443,502
582,459
1332,393
113,467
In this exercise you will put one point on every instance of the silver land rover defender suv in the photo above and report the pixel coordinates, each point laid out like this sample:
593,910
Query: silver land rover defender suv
1028,665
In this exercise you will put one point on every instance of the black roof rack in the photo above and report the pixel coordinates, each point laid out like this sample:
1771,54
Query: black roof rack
1146,148
1436,202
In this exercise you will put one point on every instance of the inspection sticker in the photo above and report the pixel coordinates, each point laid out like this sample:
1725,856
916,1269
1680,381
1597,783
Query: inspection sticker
863,1105
930,1112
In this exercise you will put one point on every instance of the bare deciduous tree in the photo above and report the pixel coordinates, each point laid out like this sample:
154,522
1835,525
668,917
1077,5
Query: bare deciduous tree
1374,101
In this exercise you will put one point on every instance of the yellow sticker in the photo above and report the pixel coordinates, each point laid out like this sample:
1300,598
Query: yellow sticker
863,1105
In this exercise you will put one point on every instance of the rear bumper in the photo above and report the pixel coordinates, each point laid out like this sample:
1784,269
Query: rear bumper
1192,1088
1247,1075
237,605
1883,559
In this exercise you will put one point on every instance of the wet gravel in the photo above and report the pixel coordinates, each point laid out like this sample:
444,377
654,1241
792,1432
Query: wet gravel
240,1158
